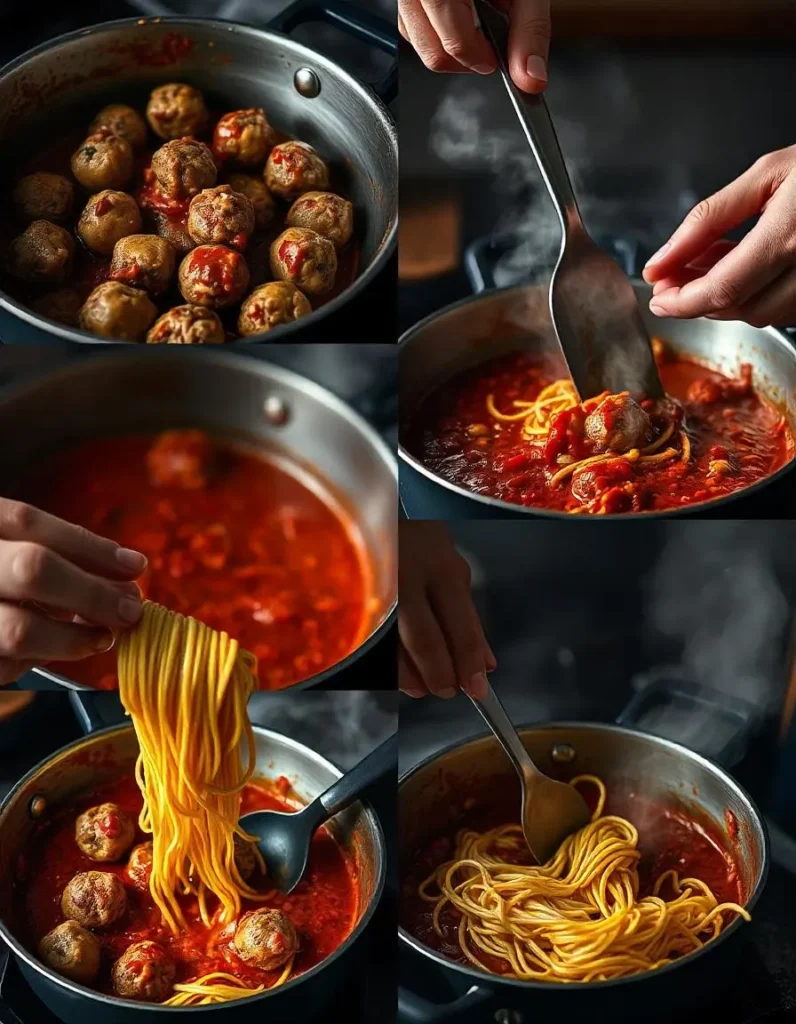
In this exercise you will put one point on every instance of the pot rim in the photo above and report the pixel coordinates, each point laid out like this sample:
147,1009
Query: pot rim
282,376
481,977
386,246
129,1004
777,336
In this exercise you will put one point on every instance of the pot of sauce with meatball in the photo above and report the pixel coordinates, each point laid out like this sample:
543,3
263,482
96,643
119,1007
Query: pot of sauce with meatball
77,913
211,183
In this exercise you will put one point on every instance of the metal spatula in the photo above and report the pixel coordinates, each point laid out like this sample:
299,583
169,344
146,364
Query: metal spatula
592,303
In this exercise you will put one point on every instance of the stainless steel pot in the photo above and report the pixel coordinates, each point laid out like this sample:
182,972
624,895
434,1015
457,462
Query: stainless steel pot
504,320
69,78
666,771
104,755
152,389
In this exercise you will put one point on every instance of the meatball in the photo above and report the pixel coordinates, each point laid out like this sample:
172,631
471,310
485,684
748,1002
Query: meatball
108,216
266,938
41,255
256,191
617,424
144,261
104,832
182,458
294,168
213,276
139,866
115,310
94,899
184,167
244,137
123,121
176,110
305,259
174,231
187,325
43,196
272,305
245,858
328,214
221,216
62,305
103,161
72,951
144,971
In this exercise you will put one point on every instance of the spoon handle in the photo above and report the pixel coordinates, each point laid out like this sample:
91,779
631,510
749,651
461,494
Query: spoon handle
346,790
493,713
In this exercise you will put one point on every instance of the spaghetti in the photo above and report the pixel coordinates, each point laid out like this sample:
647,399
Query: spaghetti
579,916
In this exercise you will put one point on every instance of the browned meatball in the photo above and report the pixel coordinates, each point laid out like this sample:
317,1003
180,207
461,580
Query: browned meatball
325,212
108,216
174,231
221,216
176,110
294,168
43,196
144,971
266,938
72,951
245,857
41,255
115,310
104,832
139,866
618,424
123,121
144,261
94,899
187,325
272,305
305,259
244,137
103,161
62,305
214,276
184,167
256,191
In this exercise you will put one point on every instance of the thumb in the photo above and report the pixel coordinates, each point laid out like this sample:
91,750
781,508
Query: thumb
529,44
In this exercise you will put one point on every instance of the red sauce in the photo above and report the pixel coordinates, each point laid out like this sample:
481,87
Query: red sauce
323,906
151,197
292,255
246,547
735,424
217,266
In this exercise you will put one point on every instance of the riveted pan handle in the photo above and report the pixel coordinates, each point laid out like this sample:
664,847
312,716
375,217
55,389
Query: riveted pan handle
467,1009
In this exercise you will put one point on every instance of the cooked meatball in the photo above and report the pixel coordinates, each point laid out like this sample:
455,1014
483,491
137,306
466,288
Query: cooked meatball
184,167
72,951
213,276
271,305
182,458
328,214
266,938
144,261
294,168
43,196
176,110
617,424
103,161
187,325
139,866
144,971
256,191
94,899
222,217
62,305
115,310
104,832
174,231
123,121
245,858
305,259
107,217
244,137
41,255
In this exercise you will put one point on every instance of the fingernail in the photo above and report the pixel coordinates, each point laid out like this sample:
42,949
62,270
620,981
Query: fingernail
659,254
131,559
415,693
446,694
478,685
657,310
104,642
483,69
536,68
130,610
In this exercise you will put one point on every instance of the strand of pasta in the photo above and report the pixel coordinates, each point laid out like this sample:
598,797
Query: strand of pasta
578,917
219,987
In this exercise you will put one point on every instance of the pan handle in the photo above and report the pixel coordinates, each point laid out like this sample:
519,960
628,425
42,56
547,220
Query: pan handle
354,21
85,709
7,1015
467,1009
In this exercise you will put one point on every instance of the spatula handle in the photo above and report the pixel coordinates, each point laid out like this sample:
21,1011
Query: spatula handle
493,713
380,762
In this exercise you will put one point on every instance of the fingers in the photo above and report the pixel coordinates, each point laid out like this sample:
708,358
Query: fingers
697,267
11,671
445,36
409,680
28,636
774,305
461,627
425,644
529,44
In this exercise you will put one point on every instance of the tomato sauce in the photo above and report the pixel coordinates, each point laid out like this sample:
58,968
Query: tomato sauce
323,907
234,540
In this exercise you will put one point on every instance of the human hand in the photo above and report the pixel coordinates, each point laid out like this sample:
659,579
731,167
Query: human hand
700,273
64,592
446,38
442,643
